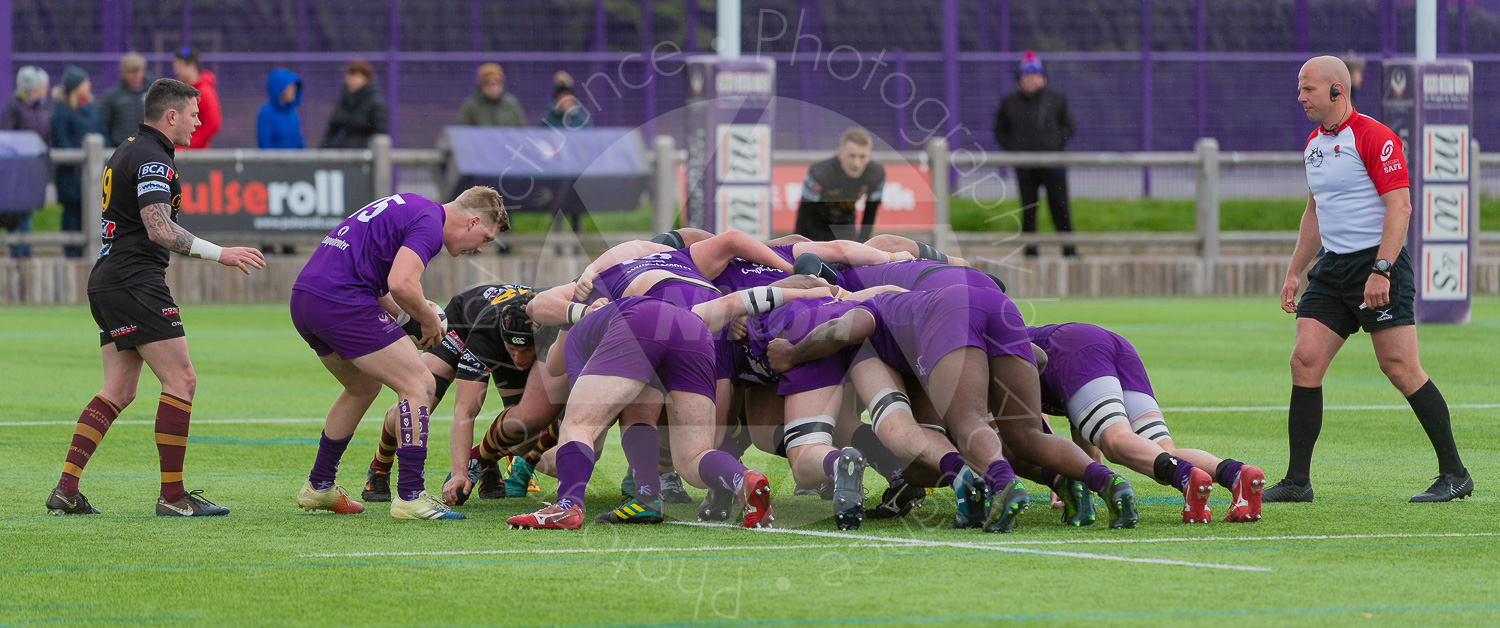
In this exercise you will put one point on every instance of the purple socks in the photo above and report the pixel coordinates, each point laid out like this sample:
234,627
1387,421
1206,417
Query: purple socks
1096,476
721,470
575,464
1181,474
830,462
998,475
641,450
412,451
950,466
881,458
1229,473
326,465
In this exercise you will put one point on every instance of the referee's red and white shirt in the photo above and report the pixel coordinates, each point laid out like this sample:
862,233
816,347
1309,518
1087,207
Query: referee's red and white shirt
1347,171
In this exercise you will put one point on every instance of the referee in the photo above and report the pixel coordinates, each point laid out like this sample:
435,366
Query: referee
1358,209
128,296
834,185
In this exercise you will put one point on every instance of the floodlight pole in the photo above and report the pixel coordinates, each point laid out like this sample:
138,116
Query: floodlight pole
729,29
1426,31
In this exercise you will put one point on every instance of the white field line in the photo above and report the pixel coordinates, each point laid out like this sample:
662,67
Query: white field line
1467,406
1215,539
1014,550
612,550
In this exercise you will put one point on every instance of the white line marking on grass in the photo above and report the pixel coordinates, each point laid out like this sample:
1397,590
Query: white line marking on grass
1469,406
614,550
1014,550
1309,537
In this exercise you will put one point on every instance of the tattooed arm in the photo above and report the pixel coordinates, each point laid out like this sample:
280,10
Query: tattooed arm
159,227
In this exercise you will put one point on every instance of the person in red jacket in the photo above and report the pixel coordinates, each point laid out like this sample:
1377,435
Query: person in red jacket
185,66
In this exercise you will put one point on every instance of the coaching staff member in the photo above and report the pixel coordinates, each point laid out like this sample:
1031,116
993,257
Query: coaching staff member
833,185
1358,209
1036,119
138,322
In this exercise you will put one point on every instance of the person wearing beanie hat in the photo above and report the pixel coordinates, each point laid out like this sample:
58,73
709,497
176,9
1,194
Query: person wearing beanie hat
490,104
565,113
26,110
73,117
1034,118
123,107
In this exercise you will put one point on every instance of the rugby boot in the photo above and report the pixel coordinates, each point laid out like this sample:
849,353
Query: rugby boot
1288,491
897,501
377,485
473,475
1244,504
849,489
824,491
491,485
549,518
1005,507
1448,487
633,511
193,505
971,493
333,499
1078,504
1119,498
716,505
755,499
531,486
1195,497
519,478
59,504
672,491
627,486
425,506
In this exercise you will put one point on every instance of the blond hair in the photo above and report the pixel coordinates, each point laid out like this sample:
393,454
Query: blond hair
491,70
485,202
856,136
132,62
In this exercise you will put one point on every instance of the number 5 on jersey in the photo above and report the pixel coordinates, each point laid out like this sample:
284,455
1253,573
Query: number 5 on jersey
373,209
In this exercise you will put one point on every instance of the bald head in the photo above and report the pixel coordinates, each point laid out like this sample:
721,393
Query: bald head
1315,91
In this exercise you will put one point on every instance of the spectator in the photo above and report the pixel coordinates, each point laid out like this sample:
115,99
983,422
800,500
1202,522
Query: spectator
123,107
277,125
565,112
185,65
490,105
28,110
1036,119
360,112
73,117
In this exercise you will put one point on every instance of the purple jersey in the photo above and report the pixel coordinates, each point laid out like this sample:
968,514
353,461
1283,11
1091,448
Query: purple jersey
644,339
794,321
1078,353
914,330
353,262
785,251
903,274
743,275
613,282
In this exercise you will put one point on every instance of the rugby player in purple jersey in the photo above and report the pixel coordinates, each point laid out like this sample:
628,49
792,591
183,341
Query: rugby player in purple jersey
345,303
969,349
1095,378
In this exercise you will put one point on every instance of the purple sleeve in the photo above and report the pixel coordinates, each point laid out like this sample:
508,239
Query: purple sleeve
425,235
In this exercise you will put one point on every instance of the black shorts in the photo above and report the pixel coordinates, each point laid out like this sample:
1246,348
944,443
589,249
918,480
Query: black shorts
470,369
137,315
1336,288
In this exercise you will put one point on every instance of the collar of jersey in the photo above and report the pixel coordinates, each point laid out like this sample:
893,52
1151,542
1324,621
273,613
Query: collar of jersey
1352,115
161,138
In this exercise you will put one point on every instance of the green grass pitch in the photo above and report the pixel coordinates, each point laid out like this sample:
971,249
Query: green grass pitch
1360,554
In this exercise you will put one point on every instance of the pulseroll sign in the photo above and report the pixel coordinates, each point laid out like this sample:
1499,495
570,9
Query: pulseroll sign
229,196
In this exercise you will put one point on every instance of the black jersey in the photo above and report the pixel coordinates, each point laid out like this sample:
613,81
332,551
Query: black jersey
828,198
474,315
140,174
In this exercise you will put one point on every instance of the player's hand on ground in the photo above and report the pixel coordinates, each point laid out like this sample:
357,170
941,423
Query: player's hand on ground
779,355
243,257
453,486
1289,295
1377,291
1057,502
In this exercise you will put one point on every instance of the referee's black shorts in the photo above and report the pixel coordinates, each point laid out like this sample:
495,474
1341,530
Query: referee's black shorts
1336,288
135,315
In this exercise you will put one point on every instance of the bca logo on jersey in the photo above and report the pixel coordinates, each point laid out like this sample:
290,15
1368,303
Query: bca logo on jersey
156,169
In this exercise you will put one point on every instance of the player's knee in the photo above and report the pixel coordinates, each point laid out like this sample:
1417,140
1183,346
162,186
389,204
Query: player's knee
118,396
183,383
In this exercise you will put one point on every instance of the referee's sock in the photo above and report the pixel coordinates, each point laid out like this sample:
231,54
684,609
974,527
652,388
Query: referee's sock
1432,412
1304,422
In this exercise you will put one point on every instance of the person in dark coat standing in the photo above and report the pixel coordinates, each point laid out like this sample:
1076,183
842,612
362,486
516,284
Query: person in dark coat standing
74,116
123,107
1035,118
278,125
360,112
28,110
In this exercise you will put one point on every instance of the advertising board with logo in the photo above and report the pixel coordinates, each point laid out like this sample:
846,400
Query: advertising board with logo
230,196
728,170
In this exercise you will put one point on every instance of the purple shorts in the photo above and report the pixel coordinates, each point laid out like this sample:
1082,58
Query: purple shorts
944,276
682,293
929,325
823,372
650,341
351,331
1078,353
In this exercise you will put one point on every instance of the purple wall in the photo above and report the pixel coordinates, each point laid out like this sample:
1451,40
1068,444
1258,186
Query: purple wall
1245,94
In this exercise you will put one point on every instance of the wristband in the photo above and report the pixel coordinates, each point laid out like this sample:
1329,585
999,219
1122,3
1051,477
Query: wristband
576,312
203,249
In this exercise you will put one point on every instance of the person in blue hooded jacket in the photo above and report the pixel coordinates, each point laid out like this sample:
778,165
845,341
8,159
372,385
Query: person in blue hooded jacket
277,124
